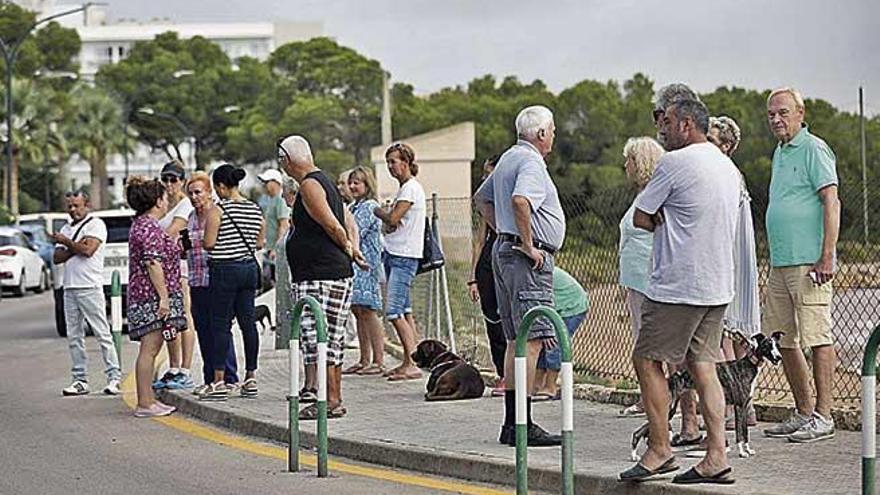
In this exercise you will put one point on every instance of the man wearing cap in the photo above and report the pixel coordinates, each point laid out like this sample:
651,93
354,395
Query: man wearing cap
277,216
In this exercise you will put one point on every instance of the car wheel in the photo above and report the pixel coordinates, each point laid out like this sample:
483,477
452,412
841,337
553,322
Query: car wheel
60,323
21,289
44,282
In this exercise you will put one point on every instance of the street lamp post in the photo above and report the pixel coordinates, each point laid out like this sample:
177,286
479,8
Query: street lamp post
183,127
10,53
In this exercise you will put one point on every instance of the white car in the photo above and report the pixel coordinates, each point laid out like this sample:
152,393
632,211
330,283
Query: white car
21,267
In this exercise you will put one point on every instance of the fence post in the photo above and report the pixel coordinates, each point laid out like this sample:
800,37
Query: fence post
116,313
567,392
869,413
293,396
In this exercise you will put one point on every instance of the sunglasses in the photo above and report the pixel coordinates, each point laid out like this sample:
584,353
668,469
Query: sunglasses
170,179
658,114
283,155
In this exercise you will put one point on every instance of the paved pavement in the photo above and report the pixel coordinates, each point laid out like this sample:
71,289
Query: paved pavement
390,423
92,445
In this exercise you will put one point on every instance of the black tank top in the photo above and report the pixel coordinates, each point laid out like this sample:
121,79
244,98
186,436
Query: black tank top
311,253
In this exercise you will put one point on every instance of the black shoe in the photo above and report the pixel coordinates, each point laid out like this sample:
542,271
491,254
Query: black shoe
537,437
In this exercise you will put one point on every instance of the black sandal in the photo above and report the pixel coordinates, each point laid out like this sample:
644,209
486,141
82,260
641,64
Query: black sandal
692,476
308,395
640,473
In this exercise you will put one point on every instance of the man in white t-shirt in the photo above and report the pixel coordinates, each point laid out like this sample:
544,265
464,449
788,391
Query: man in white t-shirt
691,204
80,246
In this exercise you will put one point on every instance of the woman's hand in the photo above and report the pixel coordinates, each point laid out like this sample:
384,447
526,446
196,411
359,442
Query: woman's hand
473,291
164,308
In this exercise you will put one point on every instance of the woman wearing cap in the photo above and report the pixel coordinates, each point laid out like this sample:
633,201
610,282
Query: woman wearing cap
233,233
155,301
404,241
180,351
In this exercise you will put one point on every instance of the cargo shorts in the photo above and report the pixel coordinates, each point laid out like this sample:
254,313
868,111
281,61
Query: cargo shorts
519,288
798,307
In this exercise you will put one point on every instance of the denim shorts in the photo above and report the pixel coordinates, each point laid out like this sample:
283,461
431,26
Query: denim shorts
551,359
399,273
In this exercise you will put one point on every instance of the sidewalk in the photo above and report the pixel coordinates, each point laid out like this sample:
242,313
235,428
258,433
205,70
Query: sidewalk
390,424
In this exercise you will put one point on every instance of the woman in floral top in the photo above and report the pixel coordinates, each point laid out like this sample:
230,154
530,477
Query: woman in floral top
366,300
155,299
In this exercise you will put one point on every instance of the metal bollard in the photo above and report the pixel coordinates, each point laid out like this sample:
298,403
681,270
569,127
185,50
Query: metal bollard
567,392
116,314
293,397
869,413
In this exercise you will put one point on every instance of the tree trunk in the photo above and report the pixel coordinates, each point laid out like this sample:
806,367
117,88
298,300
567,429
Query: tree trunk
15,205
98,190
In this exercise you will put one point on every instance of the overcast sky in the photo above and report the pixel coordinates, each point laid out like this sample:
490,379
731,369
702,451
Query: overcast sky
825,48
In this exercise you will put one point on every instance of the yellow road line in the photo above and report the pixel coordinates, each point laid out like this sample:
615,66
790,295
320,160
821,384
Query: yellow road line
239,443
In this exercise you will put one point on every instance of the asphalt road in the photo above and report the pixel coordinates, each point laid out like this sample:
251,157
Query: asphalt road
92,445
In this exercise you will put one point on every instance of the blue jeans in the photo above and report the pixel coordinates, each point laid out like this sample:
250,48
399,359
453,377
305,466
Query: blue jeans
201,313
552,359
233,290
399,273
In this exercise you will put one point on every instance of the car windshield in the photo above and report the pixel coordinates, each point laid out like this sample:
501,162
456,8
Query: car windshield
57,224
117,229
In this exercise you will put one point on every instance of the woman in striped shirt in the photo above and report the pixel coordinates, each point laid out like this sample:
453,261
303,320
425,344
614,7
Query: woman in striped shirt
233,233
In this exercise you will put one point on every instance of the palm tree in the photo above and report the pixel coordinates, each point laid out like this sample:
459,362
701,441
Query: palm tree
95,132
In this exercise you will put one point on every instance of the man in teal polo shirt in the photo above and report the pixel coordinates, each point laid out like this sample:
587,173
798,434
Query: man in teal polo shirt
803,222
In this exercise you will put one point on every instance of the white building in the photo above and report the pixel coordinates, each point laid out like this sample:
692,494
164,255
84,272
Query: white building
105,42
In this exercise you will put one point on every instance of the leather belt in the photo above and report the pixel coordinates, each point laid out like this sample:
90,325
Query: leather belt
543,246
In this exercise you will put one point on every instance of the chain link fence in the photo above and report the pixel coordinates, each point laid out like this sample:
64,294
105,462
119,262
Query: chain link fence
602,347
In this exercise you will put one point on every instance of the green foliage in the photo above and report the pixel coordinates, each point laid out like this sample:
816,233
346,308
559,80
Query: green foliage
6,218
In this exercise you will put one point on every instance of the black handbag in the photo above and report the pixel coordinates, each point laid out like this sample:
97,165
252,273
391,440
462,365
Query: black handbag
432,255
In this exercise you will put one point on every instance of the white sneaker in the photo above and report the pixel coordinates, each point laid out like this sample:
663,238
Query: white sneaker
78,387
817,428
782,430
112,388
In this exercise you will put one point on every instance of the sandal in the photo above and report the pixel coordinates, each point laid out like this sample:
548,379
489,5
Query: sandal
373,369
640,473
310,413
692,476
392,371
542,397
336,412
399,377
308,395
353,369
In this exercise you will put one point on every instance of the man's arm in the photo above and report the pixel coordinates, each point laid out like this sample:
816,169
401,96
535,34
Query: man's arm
61,255
522,211
315,201
824,268
646,221
283,226
84,247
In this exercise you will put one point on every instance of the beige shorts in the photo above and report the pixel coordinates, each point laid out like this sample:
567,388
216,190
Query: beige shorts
634,301
673,333
798,307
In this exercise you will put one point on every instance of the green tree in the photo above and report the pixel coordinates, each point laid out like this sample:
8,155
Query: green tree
95,133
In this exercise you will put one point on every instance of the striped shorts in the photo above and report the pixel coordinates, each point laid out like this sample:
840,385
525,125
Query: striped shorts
334,296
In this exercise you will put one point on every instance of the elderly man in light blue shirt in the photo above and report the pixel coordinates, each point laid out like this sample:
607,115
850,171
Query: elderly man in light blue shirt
520,202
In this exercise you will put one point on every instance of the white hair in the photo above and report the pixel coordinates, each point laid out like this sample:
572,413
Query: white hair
795,94
297,147
533,119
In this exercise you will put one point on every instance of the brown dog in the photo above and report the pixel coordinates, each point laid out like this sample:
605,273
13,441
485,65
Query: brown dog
451,377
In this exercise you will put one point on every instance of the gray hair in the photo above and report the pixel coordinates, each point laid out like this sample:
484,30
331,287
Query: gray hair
728,131
694,110
297,147
288,185
644,153
673,93
532,120
795,94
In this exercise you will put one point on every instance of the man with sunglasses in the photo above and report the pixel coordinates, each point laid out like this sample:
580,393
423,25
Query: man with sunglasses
180,351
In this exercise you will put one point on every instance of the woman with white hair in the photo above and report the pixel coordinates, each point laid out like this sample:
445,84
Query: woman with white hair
743,313
636,245
283,295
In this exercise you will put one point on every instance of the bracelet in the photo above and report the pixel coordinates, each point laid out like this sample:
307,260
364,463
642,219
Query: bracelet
471,282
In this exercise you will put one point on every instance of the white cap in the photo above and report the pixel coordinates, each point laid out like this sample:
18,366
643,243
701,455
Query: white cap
271,174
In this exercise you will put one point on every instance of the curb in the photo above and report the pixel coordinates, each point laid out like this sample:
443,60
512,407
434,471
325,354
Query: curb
459,465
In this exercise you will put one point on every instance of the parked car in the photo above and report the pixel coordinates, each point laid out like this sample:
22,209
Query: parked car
21,267
40,238
115,259
52,221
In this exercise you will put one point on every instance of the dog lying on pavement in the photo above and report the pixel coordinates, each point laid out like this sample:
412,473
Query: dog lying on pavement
451,377
263,317
738,381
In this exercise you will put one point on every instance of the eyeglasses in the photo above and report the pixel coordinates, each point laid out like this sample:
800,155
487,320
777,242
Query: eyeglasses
283,155
170,179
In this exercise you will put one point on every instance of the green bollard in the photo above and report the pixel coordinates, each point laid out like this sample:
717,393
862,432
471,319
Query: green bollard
567,392
869,413
116,314
293,397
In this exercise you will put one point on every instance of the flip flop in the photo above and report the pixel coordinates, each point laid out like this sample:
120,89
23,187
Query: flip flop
640,473
336,412
399,377
309,413
692,476
373,369
391,371
542,397
353,369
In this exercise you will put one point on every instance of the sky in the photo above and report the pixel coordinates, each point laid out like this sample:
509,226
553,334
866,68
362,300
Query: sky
827,49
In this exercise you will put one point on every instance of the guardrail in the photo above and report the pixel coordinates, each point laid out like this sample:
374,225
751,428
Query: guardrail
567,392
293,397
869,414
